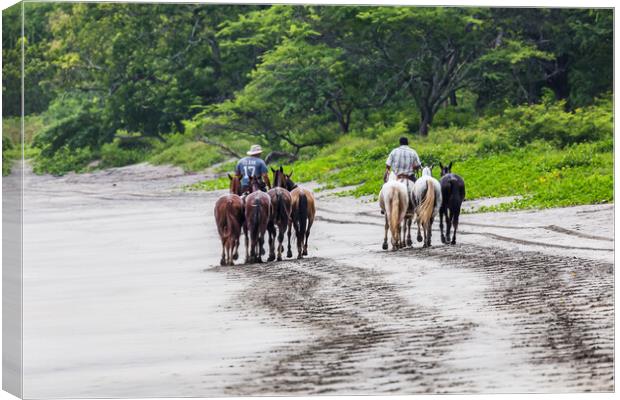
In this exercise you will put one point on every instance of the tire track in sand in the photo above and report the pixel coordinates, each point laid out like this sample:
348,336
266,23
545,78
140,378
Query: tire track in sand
562,307
366,338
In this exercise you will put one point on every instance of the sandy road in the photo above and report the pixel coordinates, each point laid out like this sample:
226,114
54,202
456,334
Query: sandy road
123,297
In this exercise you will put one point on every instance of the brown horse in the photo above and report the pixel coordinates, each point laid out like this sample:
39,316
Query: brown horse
229,218
257,216
280,214
235,184
302,213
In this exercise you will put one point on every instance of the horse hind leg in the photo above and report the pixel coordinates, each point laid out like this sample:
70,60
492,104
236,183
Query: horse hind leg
236,251
247,246
223,258
307,235
300,242
449,224
289,252
387,227
429,234
455,224
408,224
272,241
230,248
235,255
261,250
419,238
442,214
281,230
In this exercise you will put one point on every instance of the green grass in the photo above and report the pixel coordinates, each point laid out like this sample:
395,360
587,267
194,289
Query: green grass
191,156
211,184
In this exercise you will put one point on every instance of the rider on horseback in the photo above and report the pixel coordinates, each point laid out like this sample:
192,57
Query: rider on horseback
253,165
403,160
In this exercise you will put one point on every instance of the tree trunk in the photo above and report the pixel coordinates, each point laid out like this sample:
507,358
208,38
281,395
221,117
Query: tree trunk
426,118
453,101
344,124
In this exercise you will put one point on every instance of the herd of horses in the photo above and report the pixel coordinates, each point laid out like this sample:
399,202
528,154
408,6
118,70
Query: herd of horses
283,208
288,207
404,200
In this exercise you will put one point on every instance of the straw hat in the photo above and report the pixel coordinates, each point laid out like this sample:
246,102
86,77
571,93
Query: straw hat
254,150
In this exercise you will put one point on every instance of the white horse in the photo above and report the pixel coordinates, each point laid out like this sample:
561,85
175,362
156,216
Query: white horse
406,235
394,202
427,195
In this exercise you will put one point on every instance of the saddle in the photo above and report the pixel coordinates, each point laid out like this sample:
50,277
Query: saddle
405,176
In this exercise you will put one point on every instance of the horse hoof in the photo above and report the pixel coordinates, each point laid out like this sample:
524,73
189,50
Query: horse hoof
385,246
235,256
305,253
419,238
262,252
279,258
271,258
453,242
299,257
409,242
289,254
222,262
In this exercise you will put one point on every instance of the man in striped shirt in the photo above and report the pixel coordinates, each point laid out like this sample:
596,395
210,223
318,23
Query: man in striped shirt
402,160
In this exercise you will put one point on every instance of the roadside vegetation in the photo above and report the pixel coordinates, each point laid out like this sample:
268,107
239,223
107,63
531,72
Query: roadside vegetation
548,156
519,99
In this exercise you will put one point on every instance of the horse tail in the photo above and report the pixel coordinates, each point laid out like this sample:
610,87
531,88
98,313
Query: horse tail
280,212
231,221
455,194
302,214
395,211
428,204
256,217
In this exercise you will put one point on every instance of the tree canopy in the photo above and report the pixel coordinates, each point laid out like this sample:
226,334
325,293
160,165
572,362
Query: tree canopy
292,76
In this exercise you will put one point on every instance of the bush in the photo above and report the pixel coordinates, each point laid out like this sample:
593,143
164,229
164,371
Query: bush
114,155
85,129
63,161
550,122
191,156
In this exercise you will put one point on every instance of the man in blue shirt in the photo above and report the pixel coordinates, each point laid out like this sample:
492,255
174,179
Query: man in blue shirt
253,165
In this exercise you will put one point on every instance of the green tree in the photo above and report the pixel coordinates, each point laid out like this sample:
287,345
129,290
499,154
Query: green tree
429,52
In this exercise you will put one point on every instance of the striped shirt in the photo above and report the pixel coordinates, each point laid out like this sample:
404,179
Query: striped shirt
402,160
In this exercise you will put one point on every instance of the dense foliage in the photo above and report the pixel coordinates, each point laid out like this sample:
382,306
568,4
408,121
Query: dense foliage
331,88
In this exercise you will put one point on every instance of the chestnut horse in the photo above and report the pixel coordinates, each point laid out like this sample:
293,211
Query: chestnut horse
235,185
302,212
280,214
229,220
257,216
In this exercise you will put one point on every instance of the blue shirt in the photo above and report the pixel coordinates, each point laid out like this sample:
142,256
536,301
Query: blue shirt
250,166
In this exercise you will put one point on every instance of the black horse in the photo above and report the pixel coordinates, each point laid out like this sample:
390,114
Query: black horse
452,196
